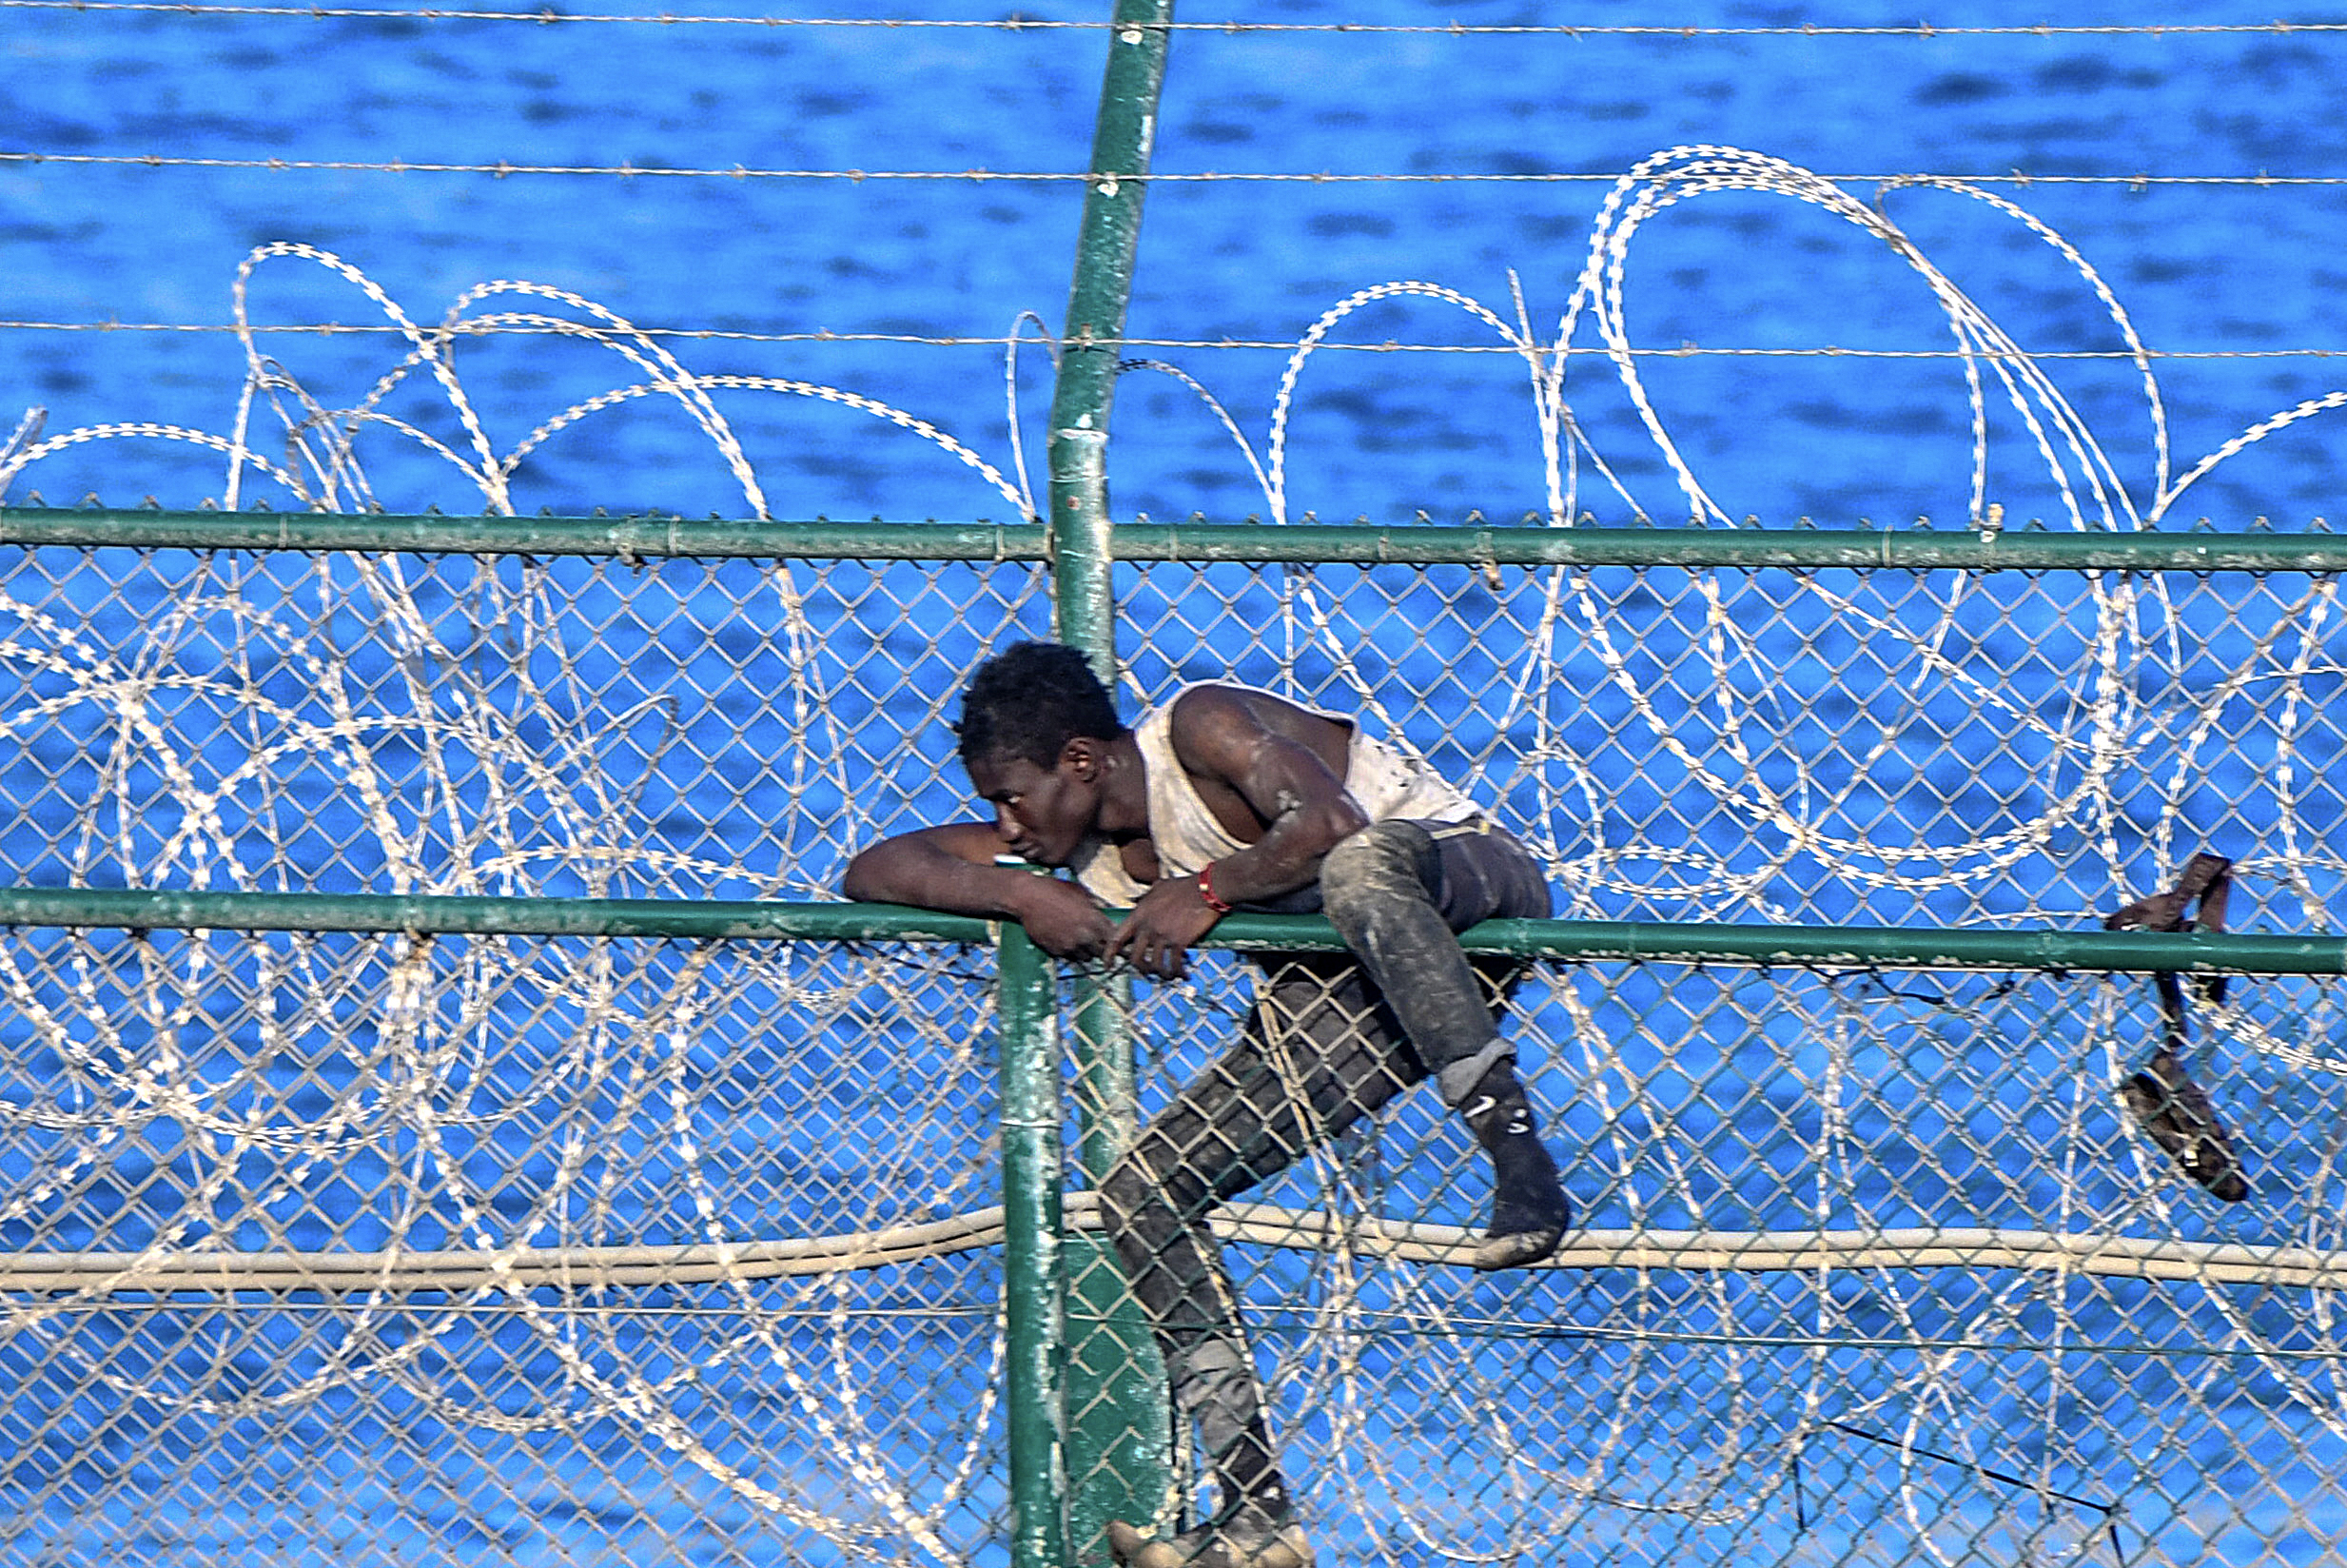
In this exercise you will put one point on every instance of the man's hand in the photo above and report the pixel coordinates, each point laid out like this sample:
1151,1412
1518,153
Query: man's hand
1156,937
1064,920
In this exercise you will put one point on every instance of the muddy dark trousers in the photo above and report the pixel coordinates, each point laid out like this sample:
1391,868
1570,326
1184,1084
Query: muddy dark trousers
1331,1039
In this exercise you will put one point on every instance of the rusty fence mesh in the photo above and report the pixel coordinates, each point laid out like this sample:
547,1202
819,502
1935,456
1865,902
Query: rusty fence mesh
377,1248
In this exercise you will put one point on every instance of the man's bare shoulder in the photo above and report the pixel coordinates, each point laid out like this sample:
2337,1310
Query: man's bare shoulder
1219,711
1225,702
1217,728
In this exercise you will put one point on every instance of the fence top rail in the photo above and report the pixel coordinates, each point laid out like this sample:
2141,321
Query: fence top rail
2087,952
646,537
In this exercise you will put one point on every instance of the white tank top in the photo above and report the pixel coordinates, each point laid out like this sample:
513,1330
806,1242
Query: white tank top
1378,779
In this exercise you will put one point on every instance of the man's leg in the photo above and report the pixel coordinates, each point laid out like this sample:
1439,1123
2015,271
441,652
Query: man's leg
1315,1058
1400,893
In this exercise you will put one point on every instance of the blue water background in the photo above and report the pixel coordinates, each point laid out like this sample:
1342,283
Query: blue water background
1382,435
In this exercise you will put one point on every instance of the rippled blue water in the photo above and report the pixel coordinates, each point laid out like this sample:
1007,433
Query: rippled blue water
2201,268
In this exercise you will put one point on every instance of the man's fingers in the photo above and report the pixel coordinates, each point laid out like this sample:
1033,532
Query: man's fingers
1136,947
1150,951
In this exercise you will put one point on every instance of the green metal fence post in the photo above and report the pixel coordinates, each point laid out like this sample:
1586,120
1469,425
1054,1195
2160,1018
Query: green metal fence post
1033,1305
1092,342
1120,1423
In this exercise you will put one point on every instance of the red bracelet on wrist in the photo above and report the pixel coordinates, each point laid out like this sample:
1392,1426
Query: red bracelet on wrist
1205,889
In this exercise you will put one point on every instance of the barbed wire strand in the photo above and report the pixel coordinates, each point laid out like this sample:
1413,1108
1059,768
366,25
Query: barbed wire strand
547,16
503,168
1390,346
645,1039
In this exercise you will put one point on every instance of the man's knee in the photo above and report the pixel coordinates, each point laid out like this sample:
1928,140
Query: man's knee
1148,1179
1383,863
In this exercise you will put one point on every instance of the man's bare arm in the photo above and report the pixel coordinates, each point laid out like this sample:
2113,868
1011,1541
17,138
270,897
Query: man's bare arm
952,868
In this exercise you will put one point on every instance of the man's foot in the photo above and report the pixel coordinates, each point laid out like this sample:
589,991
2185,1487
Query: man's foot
2177,1112
1530,1213
1529,1208
1518,1248
1248,1537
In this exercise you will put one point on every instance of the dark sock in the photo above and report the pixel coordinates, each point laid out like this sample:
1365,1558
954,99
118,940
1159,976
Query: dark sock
1526,1194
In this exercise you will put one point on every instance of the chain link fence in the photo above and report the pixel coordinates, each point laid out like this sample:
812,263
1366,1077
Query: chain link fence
340,1247
558,726
425,1246
1824,747
1876,1270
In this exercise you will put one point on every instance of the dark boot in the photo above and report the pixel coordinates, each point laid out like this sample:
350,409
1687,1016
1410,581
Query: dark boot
1530,1213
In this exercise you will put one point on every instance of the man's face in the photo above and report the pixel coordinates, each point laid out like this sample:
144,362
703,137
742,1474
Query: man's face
1042,813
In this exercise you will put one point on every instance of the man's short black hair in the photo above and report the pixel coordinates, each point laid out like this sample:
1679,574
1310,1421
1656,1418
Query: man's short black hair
1030,700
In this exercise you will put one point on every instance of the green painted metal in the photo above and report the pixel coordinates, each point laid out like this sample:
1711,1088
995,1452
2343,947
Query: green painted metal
1120,1415
1033,1283
644,538
1092,342
654,537
1889,947
1909,549
1562,941
480,915
1120,1452
1107,1088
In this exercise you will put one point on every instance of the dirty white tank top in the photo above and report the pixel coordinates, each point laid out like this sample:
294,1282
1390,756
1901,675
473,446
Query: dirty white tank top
1378,779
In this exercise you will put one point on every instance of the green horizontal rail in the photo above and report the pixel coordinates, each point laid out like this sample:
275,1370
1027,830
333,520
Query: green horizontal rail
450,914
2090,952
1913,549
643,537
651,537
1894,946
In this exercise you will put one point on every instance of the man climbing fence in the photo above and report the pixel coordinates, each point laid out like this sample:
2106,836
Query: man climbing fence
1226,797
